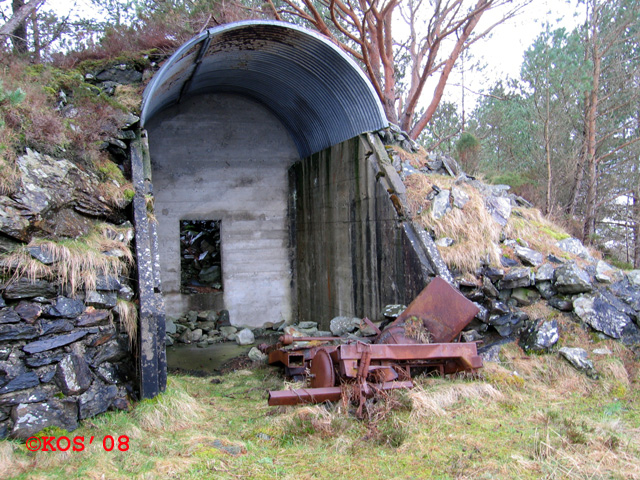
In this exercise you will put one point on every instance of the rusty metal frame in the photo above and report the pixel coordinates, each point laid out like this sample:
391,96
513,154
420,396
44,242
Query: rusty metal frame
386,363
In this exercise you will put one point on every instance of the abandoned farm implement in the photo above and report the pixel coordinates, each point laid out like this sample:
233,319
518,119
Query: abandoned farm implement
420,340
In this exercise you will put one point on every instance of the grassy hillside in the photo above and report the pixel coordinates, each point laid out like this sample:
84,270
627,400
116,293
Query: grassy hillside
528,417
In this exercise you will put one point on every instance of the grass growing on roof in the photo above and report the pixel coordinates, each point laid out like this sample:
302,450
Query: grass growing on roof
531,416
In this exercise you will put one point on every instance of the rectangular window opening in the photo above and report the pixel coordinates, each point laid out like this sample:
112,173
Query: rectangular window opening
200,256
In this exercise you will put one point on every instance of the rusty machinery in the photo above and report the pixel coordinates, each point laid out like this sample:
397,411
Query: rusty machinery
419,340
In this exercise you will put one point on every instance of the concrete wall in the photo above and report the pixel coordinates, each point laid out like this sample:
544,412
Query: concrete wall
353,252
226,157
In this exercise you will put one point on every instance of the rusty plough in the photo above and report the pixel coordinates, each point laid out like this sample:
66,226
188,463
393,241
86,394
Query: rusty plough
419,340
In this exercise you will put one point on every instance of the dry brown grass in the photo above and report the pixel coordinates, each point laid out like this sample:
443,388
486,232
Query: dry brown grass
128,315
414,328
77,262
474,231
170,412
428,402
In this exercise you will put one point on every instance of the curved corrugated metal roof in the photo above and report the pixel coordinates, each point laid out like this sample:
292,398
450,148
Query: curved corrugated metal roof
318,92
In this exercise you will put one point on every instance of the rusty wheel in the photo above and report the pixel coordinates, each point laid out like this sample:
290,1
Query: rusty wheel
322,374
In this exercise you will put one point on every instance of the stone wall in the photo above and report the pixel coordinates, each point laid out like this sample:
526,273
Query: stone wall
62,358
63,353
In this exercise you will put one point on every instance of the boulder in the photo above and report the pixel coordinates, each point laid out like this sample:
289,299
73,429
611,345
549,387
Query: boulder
600,315
539,336
493,274
30,418
307,325
25,288
488,289
196,335
18,331
227,331
605,273
55,326
169,327
579,359
21,382
121,74
460,197
575,247
628,294
66,307
28,311
73,375
393,311
517,277
561,303
245,337
546,289
342,325
31,395
101,299
569,278
634,277
54,342
440,204
256,355
525,296
528,256
9,315
445,242
545,272
93,317
96,399
499,208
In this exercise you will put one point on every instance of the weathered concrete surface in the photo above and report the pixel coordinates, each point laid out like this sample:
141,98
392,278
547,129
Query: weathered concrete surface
226,157
353,255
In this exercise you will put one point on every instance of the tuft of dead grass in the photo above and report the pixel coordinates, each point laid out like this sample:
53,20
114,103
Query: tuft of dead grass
475,233
10,463
76,263
128,315
414,328
171,411
427,403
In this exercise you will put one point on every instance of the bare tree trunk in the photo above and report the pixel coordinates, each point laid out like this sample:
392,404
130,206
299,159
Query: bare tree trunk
19,38
36,37
636,227
547,151
590,160
18,18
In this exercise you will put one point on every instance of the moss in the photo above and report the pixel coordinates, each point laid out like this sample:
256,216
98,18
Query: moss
129,194
139,61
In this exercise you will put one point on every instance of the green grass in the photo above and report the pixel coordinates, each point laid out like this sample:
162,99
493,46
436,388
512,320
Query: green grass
550,422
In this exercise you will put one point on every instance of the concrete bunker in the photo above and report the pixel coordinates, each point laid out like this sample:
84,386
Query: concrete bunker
262,127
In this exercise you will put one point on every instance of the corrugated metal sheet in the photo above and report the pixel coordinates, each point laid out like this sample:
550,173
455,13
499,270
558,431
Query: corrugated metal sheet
320,94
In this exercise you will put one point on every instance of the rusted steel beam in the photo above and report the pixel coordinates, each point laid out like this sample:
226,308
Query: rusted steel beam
319,395
420,351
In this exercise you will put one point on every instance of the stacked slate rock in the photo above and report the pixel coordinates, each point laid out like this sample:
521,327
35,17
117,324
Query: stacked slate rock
62,358
209,327
605,299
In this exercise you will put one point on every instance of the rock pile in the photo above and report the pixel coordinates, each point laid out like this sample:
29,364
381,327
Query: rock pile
605,299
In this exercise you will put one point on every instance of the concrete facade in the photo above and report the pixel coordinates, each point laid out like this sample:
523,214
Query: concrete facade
354,252
225,157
